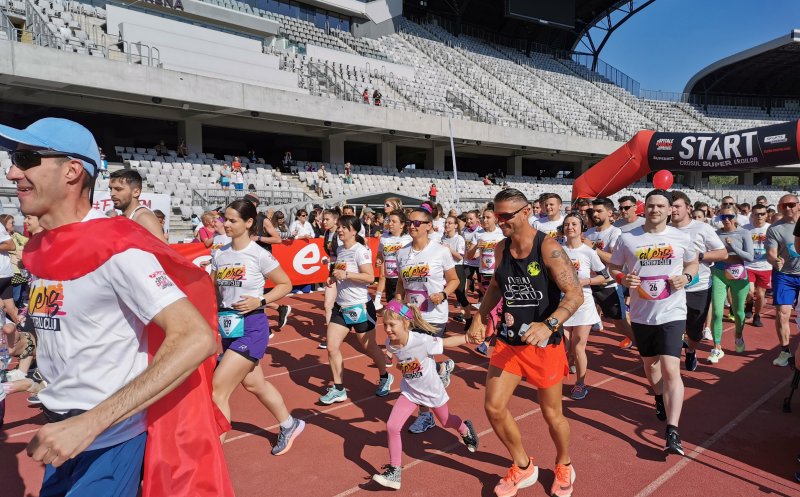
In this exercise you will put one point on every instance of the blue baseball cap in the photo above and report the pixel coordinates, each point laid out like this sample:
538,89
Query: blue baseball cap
61,135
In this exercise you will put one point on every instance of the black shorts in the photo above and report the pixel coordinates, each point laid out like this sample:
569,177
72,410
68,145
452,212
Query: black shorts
6,290
611,301
390,289
368,325
470,271
659,339
697,305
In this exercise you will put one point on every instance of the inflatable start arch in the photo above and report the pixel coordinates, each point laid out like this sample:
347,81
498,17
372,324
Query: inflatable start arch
648,151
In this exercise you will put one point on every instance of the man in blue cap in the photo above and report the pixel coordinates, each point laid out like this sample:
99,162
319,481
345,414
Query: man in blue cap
103,291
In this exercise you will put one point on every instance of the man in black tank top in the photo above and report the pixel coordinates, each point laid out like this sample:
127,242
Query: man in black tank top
532,271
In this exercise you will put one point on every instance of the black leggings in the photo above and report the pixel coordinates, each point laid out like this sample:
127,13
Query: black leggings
461,295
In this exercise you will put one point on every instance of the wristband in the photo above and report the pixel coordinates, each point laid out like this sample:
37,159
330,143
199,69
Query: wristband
619,277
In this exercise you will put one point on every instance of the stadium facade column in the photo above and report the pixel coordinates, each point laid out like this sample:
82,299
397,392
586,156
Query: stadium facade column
387,154
514,165
434,157
191,131
748,178
333,149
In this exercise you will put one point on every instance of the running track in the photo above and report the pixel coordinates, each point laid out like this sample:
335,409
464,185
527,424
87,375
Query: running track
738,441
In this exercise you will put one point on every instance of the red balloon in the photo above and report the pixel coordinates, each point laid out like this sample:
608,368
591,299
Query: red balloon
663,179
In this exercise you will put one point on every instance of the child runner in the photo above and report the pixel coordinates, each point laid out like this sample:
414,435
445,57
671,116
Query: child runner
389,246
352,274
239,271
330,244
484,250
578,326
420,386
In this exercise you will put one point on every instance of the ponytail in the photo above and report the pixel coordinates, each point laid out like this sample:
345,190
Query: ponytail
393,310
419,323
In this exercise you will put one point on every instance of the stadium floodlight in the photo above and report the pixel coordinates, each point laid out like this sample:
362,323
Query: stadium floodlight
326,123
392,132
427,137
254,113
156,100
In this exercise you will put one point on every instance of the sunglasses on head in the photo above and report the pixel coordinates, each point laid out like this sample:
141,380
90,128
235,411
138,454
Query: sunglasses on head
27,159
505,217
727,217
788,205
416,223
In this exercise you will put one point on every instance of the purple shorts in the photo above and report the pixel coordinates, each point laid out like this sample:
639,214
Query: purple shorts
253,345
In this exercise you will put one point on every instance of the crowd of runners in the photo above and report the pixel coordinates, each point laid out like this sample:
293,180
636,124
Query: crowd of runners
522,281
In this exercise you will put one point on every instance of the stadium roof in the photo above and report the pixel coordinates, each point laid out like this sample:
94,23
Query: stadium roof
491,16
770,69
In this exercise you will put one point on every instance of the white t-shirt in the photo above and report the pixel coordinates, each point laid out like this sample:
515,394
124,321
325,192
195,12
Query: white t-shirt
704,238
436,234
550,228
487,241
219,241
237,176
298,229
759,237
241,273
471,239
350,292
604,240
6,269
458,244
389,245
91,333
421,383
625,226
656,257
423,275
585,261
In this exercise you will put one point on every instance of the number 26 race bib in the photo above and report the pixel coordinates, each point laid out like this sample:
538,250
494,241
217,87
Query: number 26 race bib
654,287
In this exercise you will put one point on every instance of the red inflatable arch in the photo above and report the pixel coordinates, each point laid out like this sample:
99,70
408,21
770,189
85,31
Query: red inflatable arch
648,151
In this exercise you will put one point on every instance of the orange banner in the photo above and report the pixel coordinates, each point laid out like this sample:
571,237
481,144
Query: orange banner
304,261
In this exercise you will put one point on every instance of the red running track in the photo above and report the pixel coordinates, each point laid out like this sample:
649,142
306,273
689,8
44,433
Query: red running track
738,441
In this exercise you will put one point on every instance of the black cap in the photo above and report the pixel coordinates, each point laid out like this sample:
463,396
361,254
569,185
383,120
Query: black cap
317,206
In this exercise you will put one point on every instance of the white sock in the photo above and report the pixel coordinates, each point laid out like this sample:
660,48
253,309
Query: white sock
287,423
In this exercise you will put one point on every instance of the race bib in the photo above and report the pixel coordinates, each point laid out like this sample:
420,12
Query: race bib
735,272
695,280
390,268
354,314
418,298
487,262
230,324
654,287
760,254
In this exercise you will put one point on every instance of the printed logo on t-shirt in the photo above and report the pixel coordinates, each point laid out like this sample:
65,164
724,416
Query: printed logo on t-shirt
487,255
341,266
391,249
534,269
576,263
520,292
231,275
759,251
417,273
410,369
45,306
655,255
161,280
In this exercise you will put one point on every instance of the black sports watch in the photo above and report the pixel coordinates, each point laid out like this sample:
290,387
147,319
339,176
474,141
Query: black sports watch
552,324
689,277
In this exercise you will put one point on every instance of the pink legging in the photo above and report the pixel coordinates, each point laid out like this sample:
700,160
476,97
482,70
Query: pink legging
402,410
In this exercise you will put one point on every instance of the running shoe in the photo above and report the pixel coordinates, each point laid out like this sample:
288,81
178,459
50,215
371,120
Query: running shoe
729,317
482,349
673,442
384,385
707,334
579,392
715,356
517,478
445,369
739,345
283,315
562,485
748,310
572,369
390,478
34,399
661,410
459,318
625,343
477,305
333,395
15,375
691,360
423,423
322,345
470,438
757,321
783,359
271,335
387,356
286,437
597,327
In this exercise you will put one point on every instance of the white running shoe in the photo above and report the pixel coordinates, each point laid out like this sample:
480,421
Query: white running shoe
783,359
707,334
715,356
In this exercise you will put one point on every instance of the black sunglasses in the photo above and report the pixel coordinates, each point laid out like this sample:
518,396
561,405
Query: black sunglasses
624,207
788,205
416,223
727,217
505,217
27,159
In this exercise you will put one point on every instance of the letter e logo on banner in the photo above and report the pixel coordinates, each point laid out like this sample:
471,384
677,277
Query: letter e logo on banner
306,261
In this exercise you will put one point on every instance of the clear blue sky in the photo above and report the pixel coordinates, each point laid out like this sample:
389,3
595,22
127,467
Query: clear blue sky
669,41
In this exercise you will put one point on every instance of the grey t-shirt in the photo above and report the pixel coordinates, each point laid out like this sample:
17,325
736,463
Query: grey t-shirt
780,235
741,243
625,226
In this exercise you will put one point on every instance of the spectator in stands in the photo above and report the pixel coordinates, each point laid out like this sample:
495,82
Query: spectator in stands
287,162
103,165
487,181
761,200
161,148
365,95
237,178
194,220
300,228
432,192
162,218
225,177
236,164
183,150
322,178
251,154
206,233
348,174
279,222
376,97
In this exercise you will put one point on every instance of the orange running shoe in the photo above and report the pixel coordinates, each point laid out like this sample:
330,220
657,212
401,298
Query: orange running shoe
565,477
517,478
625,343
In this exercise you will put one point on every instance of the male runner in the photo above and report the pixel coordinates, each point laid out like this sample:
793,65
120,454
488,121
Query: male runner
126,187
628,218
759,271
783,256
660,261
554,218
532,271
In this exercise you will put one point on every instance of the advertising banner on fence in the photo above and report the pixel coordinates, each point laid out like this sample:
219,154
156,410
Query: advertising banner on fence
304,261
767,146
153,201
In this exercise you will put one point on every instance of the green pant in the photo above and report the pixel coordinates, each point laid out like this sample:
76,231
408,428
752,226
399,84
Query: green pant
719,291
